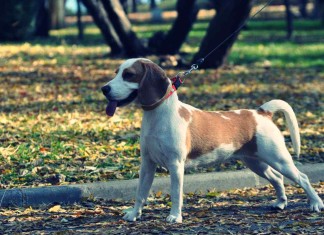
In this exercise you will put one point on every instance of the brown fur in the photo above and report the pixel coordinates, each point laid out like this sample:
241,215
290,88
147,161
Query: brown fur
154,86
208,130
264,113
134,73
184,113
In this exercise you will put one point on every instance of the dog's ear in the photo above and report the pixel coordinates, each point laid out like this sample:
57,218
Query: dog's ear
153,86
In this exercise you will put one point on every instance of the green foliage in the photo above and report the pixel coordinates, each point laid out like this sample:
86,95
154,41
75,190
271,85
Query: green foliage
52,119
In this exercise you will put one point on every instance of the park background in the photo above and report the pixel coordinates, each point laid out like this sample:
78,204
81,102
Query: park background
55,56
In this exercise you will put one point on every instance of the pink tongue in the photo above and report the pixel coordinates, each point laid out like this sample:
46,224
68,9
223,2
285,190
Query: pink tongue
111,108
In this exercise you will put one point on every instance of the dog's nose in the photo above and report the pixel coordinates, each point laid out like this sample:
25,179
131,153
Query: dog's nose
105,90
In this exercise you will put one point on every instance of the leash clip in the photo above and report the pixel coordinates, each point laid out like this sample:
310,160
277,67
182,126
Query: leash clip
193,67
180,75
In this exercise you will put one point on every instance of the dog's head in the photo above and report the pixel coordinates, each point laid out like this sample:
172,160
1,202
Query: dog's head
137,78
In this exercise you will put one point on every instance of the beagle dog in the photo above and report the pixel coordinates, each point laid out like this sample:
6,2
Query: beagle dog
175,135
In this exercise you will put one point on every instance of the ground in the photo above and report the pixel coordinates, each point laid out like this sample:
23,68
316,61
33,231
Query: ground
240,211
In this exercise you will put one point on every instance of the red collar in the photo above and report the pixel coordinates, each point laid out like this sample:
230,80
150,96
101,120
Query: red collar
176,82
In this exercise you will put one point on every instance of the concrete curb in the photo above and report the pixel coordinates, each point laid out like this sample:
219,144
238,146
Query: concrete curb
126,189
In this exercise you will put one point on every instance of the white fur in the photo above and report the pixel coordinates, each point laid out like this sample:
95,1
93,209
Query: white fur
222,116
220,154
280,105
163,142
237,111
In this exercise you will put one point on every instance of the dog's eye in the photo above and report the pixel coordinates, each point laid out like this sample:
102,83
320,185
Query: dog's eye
128,75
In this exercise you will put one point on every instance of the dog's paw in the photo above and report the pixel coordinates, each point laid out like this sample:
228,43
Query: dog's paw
132,216
317,206
174,219
280,204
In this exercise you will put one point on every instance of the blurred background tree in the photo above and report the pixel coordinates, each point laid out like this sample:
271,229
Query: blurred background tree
21,19
17,19
57,13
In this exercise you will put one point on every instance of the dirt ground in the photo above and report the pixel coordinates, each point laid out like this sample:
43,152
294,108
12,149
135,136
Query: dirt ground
245,211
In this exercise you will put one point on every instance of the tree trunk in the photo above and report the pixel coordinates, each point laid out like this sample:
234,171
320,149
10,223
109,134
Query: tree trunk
134,6
231,14
131,44
315,11
187,15
57,13
17,19
303,8
321,10
289,19
43,21
152,5
124,4
79,22
96,10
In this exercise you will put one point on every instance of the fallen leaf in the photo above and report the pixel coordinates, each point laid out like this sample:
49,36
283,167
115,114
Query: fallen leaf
56,208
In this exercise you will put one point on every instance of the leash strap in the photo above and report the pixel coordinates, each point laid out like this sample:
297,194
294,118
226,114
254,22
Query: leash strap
201,60
177,81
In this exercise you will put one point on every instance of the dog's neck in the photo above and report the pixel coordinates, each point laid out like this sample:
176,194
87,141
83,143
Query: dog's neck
166,108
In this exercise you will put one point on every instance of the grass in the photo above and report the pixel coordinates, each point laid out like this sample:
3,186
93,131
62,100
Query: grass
52,119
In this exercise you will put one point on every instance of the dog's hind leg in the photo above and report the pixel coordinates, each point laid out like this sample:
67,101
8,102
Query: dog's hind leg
274,177
147,172
281,160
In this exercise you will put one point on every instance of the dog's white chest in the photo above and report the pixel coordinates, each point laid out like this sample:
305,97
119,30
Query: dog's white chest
163,135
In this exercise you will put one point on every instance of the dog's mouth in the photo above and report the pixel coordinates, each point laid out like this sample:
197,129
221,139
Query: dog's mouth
113,104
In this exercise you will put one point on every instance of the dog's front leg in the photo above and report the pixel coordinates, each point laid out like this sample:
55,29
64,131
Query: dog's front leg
176,174
147,172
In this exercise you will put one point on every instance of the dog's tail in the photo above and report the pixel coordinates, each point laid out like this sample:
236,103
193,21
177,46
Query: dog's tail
282,106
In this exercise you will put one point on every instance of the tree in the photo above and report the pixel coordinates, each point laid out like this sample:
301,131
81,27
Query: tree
172,41
115,27
152,4
17,21
289,19
43,21
57,13
303,8
134,6
320,4
99,15
132,45
124,3
231,14
51,15
79,20
318,11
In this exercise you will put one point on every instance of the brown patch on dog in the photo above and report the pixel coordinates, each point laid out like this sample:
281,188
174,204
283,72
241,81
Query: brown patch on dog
208,130
184,113
134,73
154,86
264,113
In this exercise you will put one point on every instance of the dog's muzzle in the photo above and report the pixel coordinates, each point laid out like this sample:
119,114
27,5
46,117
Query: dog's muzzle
113,103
